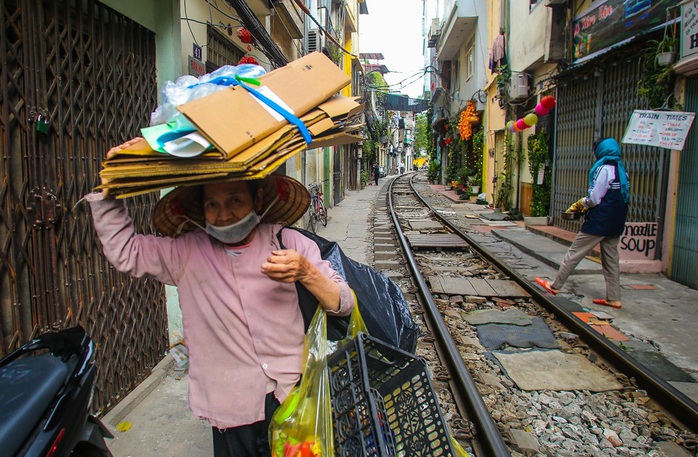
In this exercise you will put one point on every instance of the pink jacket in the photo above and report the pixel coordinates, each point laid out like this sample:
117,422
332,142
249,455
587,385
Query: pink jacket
241,328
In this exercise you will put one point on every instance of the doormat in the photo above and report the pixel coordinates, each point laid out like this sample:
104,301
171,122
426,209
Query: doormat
555,370
496,336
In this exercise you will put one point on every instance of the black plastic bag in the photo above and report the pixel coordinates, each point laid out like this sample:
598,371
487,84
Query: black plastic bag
381,302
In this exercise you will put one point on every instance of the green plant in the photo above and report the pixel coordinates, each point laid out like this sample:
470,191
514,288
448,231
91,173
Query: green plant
434,171
478,149
364,178
506,187
503,81
657,82
334,53
465,175
538,156
668,44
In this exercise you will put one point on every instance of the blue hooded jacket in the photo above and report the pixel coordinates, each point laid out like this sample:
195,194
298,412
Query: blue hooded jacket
608,217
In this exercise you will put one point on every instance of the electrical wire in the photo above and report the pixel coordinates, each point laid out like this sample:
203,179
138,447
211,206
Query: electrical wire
267,45
186,15
293,40
324,31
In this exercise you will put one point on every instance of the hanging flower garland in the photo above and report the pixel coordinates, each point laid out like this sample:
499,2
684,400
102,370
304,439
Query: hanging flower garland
244,35
468,117
248,60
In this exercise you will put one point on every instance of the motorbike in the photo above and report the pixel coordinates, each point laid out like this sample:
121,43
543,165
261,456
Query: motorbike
46,391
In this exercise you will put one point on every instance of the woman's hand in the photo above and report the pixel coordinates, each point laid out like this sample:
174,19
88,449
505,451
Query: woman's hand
286,265
112,152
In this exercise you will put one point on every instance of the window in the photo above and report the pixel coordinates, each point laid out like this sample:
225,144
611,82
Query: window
220,50
470,62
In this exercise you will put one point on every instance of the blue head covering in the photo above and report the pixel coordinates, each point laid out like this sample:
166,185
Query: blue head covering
607,151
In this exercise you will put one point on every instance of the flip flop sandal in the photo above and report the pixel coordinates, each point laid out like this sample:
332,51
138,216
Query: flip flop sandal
603,302
546,285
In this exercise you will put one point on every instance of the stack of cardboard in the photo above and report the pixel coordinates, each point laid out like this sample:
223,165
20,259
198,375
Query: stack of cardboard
249,140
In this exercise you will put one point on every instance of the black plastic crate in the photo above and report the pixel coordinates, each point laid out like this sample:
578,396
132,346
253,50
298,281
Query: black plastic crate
383,403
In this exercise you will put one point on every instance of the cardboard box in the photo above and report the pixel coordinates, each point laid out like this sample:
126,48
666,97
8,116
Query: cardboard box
233,120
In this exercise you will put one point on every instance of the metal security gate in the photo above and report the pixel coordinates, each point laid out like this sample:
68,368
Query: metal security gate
75,79
602,100
684,266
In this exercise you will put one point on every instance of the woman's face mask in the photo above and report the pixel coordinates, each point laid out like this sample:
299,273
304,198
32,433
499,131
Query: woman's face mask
236,232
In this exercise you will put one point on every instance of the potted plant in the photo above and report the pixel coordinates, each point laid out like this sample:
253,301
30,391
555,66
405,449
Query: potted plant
657,83
666,51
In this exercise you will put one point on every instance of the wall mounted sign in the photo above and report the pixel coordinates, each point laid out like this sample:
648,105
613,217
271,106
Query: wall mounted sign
689,28
613,22
666,129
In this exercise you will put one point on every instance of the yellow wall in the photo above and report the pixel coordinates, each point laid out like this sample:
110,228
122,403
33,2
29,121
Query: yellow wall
494,115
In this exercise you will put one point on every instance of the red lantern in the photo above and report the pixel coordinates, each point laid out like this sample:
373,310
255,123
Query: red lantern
548,102
521,125
248,59
244,35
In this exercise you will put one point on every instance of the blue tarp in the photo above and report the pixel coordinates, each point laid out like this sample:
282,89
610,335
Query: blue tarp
398,102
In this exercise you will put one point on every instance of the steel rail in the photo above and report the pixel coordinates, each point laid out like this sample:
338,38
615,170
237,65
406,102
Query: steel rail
674,401
491,438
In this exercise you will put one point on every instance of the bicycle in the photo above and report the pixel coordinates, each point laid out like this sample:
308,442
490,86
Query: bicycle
318,212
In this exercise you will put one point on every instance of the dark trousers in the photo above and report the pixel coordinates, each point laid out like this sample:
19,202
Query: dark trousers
247,440
376,177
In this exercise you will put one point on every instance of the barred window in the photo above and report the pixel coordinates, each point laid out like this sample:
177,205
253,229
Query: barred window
220,50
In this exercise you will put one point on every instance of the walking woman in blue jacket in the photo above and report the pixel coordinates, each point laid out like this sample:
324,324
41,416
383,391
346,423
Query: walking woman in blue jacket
605,207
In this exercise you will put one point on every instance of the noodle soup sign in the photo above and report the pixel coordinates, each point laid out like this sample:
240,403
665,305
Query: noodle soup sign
639,241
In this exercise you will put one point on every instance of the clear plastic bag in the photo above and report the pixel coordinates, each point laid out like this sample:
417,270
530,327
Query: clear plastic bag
187,88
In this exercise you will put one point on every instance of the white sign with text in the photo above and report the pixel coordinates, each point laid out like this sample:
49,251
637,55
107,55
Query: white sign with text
666,129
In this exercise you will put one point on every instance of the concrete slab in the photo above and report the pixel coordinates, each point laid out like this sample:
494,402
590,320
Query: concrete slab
671,449
659,364
555,370
689,389
495,316
425,225
544,249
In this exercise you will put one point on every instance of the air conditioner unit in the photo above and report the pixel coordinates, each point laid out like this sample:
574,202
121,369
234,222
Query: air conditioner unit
314,40
519,86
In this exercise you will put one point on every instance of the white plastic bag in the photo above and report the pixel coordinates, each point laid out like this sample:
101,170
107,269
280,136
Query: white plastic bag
187,88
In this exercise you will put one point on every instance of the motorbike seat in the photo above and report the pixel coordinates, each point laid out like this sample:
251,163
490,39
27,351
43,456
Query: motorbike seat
28,387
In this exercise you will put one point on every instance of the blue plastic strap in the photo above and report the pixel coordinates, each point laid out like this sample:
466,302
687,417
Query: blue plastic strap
290,117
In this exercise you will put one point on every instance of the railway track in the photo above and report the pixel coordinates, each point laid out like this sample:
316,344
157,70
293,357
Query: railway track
473,308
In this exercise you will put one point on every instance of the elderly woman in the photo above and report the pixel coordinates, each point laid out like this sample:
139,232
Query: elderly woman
241,318
605,207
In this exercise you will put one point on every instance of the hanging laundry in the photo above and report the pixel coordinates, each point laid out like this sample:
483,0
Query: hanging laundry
498,56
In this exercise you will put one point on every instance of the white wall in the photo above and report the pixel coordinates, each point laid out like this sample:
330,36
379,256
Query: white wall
529,29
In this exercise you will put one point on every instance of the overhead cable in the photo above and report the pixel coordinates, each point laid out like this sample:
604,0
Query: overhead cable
322,29
267,45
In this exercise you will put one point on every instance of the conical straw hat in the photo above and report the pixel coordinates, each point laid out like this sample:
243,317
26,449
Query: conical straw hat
288,198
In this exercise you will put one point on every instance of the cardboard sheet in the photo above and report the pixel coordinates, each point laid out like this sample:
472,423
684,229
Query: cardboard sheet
250,142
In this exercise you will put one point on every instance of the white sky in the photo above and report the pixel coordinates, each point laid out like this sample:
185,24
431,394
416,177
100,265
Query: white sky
394,28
